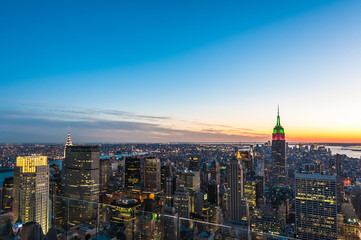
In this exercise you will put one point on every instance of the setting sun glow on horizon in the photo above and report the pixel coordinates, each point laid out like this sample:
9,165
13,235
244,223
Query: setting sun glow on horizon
179,72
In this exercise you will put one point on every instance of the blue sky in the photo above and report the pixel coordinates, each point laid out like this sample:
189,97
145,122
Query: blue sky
179,70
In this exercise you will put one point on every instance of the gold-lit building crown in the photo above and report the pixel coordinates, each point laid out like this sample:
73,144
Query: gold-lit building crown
28,164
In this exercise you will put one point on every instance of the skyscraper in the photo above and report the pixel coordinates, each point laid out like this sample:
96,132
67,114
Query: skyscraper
340,179
215,172
81,173
250,192
170,188
259,165
193,164
131,171
338,164
316,206
81,182
170,220
152,175
235,189
181,202
213,193
8,194
247,162
167,170
104,171
279,154
31,190
204,175
191,180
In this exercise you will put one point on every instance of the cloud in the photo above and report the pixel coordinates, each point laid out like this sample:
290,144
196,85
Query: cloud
36,123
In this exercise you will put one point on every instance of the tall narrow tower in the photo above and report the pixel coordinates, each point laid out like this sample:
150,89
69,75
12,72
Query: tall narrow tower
215,172
279,154
235,188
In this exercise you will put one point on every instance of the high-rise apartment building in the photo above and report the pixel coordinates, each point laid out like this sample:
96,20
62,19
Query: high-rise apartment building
31,190
235,189
279,154
316,206
152,175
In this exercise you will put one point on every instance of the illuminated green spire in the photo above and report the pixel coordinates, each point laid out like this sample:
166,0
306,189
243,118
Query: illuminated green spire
278,116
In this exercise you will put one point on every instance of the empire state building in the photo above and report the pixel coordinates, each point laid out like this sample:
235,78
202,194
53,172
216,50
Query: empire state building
279,154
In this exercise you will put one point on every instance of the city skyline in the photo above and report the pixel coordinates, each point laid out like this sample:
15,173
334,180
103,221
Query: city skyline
211,135
169,72
180,120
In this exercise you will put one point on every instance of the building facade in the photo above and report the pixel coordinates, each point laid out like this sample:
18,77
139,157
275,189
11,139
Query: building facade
181,202
190,179
316,206
152,175
131,171
193,164
31,190
215,172
235,189
104,171
81,183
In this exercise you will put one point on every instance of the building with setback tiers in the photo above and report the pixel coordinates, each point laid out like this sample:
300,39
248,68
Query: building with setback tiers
279,154
31,190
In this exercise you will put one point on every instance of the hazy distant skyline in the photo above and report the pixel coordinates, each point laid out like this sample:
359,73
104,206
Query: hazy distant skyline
160,71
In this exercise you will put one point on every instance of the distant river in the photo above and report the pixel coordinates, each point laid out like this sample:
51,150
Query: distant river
348,152
342,150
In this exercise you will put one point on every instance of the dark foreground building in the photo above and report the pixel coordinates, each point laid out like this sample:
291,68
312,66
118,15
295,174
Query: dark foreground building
81,182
